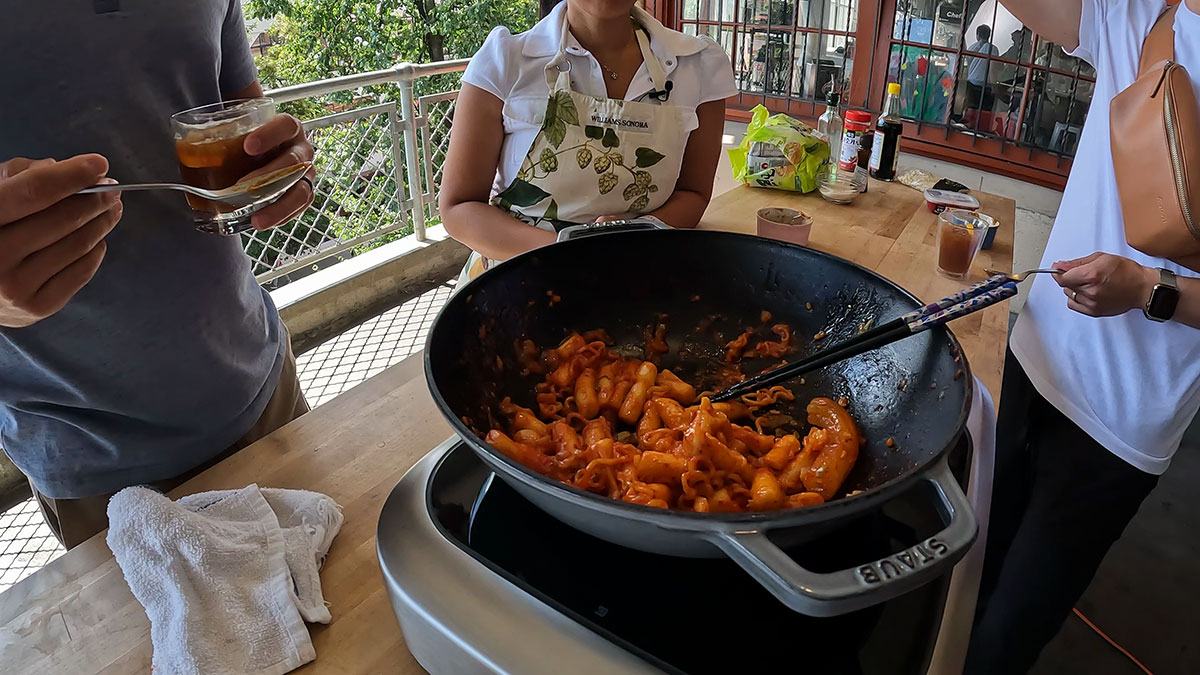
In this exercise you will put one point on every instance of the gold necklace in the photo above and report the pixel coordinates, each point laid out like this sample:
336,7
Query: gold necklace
612,74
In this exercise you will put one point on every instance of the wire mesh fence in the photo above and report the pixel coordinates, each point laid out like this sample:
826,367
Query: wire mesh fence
26,543
356,193
437,117
363,195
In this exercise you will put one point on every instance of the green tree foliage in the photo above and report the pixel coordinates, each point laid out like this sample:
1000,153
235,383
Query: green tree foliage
319,39
328,38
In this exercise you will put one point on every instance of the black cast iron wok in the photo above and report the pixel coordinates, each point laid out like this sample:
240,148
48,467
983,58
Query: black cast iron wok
916,391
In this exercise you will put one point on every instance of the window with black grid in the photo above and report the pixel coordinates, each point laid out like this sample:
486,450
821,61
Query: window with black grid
795,49
971,66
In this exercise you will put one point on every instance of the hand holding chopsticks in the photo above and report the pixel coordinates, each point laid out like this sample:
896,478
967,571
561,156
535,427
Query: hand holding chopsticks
967,301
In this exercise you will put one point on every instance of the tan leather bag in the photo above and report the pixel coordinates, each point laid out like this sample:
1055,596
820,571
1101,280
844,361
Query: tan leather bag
1155,130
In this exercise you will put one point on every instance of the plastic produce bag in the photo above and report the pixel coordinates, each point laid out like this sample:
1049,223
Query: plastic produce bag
779,152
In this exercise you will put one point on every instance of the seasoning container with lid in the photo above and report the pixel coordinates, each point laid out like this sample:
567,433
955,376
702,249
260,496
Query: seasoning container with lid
830,126
858,124
940,200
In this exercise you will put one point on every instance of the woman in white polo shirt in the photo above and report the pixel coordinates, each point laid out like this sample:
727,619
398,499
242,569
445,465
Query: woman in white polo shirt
597,112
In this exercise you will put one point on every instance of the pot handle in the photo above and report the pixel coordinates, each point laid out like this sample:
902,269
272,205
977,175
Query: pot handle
629,225
834,593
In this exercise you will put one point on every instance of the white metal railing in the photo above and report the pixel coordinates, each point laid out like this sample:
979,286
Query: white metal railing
378,168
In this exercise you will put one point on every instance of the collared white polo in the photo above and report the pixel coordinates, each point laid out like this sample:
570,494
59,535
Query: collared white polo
512,68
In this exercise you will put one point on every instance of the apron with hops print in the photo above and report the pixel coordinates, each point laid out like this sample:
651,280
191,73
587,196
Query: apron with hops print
594,156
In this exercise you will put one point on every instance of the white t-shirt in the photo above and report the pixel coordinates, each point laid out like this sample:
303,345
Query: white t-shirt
1130,383
512,68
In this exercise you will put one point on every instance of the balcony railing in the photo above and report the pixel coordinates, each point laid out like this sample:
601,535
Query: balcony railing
379,164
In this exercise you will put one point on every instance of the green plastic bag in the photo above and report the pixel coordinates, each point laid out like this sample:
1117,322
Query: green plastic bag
779,152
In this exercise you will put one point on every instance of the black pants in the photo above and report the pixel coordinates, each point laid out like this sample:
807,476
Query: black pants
979,98
1059,501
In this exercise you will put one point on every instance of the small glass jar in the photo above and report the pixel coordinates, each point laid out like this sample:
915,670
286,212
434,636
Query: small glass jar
838,186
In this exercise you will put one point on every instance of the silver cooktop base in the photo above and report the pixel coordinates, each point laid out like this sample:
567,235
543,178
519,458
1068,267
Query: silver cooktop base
460,618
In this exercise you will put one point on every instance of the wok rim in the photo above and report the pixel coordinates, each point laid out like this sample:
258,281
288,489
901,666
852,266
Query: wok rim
860,501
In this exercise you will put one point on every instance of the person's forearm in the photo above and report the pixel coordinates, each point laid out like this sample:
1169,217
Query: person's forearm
1057,21
491,232
683,209
1188,310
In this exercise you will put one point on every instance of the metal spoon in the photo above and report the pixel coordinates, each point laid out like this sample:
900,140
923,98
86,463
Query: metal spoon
1021,276
248,192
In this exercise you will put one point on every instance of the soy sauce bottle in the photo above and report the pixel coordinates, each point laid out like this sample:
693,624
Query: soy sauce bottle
886,145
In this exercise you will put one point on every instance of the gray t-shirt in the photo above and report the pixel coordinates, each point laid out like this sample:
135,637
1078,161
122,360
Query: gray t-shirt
171,353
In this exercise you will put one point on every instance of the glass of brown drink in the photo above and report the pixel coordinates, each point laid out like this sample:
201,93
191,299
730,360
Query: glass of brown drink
960,235
209,142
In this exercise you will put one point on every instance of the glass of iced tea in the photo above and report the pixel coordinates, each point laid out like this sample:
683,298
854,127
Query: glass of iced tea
209,142
960,235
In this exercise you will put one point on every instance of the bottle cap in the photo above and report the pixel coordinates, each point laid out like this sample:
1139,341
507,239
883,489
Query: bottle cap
858,116
894,88
833,98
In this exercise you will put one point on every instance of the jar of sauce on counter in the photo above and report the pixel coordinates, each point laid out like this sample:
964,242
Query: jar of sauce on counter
888,130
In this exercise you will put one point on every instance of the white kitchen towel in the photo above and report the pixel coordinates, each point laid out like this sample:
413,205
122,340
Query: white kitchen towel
310,521
212,573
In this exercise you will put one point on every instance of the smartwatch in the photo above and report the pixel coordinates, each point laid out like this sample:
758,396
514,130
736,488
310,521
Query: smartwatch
1164,297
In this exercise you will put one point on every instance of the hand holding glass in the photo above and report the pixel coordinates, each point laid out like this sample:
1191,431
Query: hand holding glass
210,143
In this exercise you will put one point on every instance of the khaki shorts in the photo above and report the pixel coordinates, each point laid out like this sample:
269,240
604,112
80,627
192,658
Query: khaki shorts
74,521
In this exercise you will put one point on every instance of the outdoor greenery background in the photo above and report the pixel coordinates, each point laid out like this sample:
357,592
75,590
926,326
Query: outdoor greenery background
319,39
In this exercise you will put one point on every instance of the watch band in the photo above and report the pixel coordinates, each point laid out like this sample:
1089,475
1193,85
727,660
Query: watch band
1167,278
